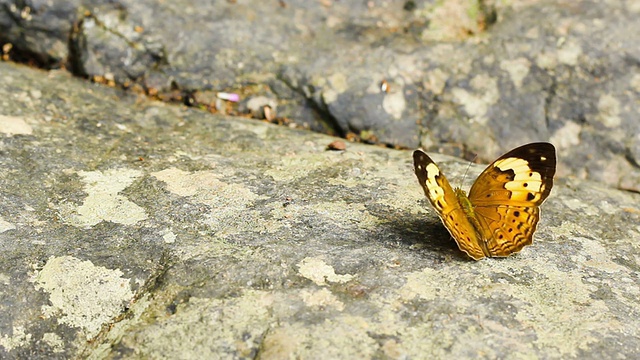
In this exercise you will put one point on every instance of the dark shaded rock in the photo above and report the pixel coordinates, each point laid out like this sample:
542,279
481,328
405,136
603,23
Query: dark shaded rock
476,77
458,74
131,228
38,30
109,48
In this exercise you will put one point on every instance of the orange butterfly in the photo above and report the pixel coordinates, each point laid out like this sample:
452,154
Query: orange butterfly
500,214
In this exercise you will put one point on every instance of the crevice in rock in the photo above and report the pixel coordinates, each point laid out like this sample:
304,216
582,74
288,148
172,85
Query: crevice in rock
155,281
77,45
317,106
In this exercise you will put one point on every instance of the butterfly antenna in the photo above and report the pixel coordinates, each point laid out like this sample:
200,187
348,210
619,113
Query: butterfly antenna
464,177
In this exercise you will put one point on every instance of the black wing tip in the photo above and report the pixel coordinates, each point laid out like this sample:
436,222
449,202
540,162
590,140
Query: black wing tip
540,155
418,152
419,156
534,148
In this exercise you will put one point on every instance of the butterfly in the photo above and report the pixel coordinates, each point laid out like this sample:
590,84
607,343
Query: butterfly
500,214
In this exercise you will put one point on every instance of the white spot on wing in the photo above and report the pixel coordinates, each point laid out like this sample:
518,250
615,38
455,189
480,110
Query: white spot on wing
523,173
435,191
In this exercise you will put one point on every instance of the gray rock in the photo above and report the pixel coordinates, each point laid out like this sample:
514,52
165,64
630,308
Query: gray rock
38,30
463,77
134,229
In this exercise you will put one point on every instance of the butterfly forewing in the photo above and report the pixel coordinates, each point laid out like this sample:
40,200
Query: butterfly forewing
523,175
507,194
444,200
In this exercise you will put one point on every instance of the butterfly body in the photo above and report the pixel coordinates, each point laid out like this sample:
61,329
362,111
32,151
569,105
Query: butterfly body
501,212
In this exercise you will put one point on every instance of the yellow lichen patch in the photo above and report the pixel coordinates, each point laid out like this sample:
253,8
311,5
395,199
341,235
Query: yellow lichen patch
104,201
227,201
5,225
569,53
394,104
318,271
428,285
206,328
81,294
13,125
477,103
518,69
19,338
321,299
455,20
609,111
205,187
295,166
54,341
344,337
356,213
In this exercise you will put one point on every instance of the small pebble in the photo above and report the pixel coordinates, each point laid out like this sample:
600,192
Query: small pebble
338,145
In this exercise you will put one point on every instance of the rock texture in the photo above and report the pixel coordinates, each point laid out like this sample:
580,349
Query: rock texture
134,229
460,77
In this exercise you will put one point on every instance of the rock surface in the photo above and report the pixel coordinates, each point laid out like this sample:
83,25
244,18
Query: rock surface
460,77
134,229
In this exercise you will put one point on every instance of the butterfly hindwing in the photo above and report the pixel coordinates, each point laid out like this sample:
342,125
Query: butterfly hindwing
508,228
444,200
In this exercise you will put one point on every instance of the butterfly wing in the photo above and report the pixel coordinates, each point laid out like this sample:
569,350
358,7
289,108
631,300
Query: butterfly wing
507,194
444,200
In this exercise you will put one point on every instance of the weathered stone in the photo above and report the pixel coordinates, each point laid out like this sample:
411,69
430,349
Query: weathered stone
134,229
481,76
